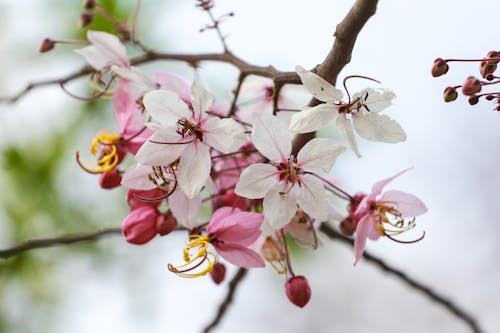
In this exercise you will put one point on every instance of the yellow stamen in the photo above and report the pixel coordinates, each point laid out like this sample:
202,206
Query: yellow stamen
104,144
199,245
389,216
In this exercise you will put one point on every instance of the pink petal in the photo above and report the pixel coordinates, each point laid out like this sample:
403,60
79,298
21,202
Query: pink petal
407,204
201,99
379,186
240,255
162,148
194,168
242,228
361,235
166,107
272,138
184,209
137,177
175,83
110,47
256,180
221,214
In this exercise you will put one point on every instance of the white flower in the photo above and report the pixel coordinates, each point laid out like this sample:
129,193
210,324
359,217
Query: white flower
364,109
187,134
286,181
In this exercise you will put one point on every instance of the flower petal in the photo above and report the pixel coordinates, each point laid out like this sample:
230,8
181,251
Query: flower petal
225,135
319,154
317,86
162,148
361,235
137,177
312,119
344,126
166,107
379,186
175,83
201,99
406,203
128,117
311,197
271,137
240,256
242,228
184,209
375,99
94,57
110,46
279,208
377,127
194,168
256,180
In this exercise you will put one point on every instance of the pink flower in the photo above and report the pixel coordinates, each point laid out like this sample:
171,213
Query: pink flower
139,227
384,214
231,232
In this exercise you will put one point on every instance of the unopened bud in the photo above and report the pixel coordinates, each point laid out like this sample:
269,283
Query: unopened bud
139,227
47,45
89,4
494,55
218,273
165,224
298,291
439,68
86,18
110,179
450,94
473,100
348,226
486,69
471,86
489,97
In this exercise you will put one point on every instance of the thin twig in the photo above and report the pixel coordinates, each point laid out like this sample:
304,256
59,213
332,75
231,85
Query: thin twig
232,110
54,241
233,284
435,297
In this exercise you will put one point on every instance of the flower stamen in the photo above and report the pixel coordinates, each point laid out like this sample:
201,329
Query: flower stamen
195,255
103,146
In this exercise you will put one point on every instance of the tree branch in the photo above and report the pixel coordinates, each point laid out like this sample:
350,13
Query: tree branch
340,54
61,240
435,297
233,284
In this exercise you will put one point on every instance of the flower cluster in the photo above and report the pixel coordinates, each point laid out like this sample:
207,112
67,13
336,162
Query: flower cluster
191,155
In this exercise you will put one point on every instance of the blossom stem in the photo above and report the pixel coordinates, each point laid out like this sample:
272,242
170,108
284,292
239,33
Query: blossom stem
287,254
249,151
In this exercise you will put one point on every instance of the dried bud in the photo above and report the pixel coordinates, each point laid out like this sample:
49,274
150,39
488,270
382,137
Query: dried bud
439,68
473,100
165,224
47,45
450,94
139,227
348,226
89,4
86,18
110,179
486,69
218,273
493,55
489,97
298,291
471,86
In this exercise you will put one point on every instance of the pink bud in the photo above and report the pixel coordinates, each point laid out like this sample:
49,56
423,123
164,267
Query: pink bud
471,86
218,273
139,227
298,291
348,226
110,179
86,17
165,224
230,199
440,67
450,94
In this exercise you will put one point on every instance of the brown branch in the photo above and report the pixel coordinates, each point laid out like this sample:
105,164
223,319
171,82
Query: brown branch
435,297
233,284
340,54
61,240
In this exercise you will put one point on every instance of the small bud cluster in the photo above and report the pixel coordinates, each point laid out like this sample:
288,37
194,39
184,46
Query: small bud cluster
473,87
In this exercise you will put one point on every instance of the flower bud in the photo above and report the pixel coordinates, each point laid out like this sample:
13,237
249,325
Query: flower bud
495,55
110,179
139,227
348,226
473,100
471,86
139,198
86,17
298,291
440,67
486,69
218,273
165,224
89,4
450,94
47,45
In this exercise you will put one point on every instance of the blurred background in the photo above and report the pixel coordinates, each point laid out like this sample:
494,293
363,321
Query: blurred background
114,286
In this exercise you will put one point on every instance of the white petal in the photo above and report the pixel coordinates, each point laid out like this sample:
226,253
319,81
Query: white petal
166,107
271,137
312,119
225,135
279,208
141,81
136,177
375,99
184,209
256,180
162,148
94,57
344,126
319,154
110,47
311,197
333,212
318,87
200,98
377,127
194,168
